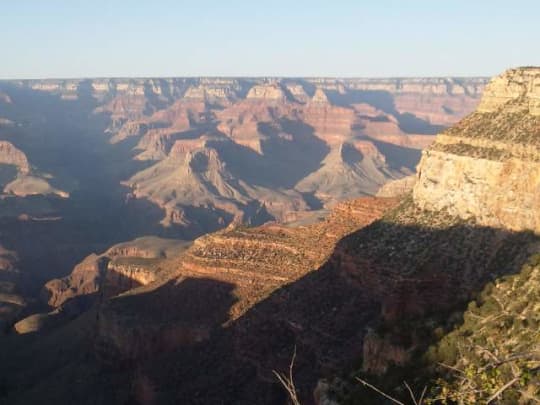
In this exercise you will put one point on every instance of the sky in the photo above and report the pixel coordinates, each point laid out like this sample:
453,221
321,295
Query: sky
162,38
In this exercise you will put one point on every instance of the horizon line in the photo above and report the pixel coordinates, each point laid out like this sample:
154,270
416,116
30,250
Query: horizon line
348,77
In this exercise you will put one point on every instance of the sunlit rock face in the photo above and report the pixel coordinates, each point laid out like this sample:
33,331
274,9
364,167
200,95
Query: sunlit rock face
121,267
516,88
10,155
487,167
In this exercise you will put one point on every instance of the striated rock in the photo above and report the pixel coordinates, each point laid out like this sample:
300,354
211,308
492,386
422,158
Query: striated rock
348,171
515,89
353,290
294,127
199,177
84,280
130,129
297,91
487,167
397,188
270,92
319,96
252,261
120,268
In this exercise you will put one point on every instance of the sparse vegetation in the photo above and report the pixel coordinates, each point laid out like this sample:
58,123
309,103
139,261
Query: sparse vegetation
494,357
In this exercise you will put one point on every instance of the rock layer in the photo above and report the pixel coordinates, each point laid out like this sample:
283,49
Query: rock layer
122,267
487,167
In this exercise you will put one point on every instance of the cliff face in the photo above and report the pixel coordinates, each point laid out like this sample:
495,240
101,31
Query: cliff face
10,155
121,267
238,268
487,167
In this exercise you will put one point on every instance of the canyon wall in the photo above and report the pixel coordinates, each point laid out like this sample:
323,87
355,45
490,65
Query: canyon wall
210,151
487,167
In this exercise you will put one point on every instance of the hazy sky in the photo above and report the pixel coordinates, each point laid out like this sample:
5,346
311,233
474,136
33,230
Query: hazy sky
72,38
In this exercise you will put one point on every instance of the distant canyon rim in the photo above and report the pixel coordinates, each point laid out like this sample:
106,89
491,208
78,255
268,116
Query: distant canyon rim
181,157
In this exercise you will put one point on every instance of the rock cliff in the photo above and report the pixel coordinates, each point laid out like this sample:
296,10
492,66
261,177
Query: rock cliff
122,267
487,167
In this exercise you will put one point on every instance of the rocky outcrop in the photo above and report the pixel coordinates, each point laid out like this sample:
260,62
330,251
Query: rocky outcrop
24,186
195,176
10,155
122,267
84,280
487,167
270,92
348,171
252,261
23,183
319,97
397,188
516,88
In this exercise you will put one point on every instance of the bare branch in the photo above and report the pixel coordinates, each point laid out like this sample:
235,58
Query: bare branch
410,393
288,382
451,368
502,389
421,401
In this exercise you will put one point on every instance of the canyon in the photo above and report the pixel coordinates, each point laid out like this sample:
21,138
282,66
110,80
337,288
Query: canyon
88,163
269,242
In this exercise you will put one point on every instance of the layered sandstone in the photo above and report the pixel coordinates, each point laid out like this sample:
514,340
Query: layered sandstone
287,135
121,267
196,174
397,188
271,92
245,264
487,167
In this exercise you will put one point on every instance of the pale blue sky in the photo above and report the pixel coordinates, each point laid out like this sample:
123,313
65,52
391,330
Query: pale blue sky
90,38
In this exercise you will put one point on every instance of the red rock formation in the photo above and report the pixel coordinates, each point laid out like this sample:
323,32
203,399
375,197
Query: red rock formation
120,268
256,261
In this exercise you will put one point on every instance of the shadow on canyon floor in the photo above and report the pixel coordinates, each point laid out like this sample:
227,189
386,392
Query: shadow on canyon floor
404,280
399,281
66,139
384,101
